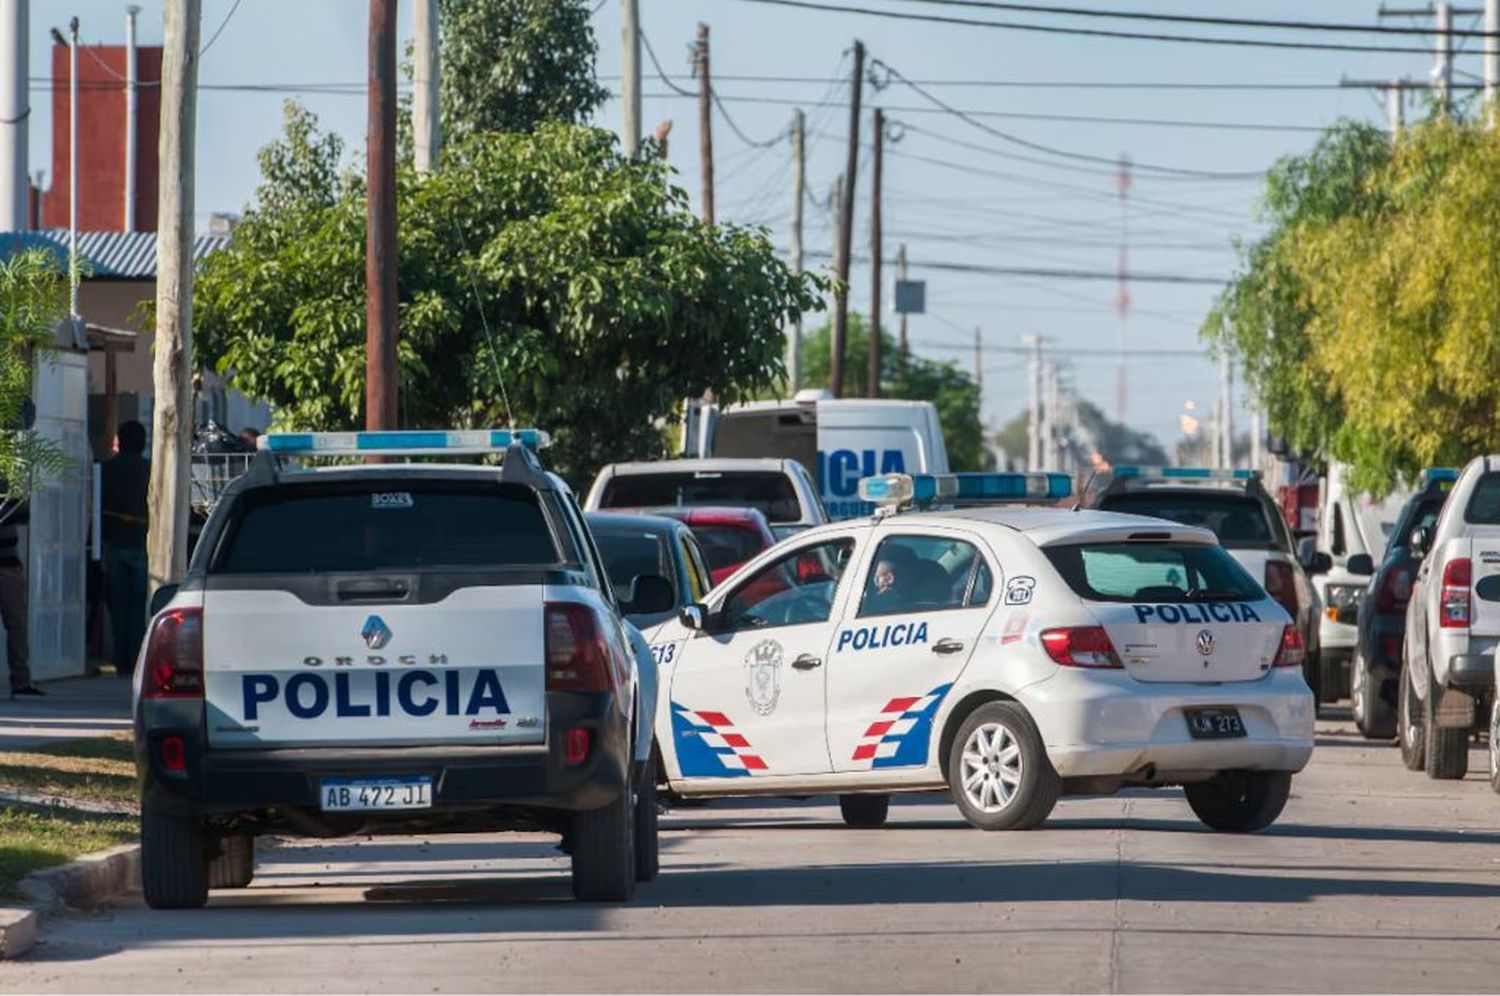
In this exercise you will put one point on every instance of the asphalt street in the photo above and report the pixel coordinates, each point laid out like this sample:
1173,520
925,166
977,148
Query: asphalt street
1375,879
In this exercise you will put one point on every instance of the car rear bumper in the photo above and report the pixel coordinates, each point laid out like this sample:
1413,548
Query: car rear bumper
1107,724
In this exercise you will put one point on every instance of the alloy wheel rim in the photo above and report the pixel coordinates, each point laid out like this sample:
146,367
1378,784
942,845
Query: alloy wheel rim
991,767
1357,688
1408,728
1495,738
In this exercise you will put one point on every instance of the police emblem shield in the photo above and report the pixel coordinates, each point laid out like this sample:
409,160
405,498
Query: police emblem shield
763,676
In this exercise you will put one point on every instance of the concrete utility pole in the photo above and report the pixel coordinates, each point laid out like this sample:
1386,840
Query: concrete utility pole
630,69
172,370
73,167
1395,108
1442,74
901,276
979,361
1226,403
1491,57
15,115
846,232
873,376
799,195
1049,416
1034,411
130,116
705,121
426,124
380,225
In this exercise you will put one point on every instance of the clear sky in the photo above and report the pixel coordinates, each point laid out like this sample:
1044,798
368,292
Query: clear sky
950,202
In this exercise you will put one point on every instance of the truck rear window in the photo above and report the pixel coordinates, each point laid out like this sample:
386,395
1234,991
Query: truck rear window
771,492
1153,572
1238,521
308,529
1484,503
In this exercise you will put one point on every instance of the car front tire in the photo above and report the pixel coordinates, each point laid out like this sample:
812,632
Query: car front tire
647,853
1409,731
1495,743
1373,716
865,811
174,863
998,769
603,849
1240,801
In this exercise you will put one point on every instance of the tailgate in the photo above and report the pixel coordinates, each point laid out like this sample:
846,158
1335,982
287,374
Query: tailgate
468,669
1484,565
1194,641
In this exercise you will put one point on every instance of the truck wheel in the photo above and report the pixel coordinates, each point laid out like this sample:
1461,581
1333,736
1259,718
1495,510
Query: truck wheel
1312,673
1240,801
998,770
865,810
1447,747
1373,716
235,865
647,854
604,852
1495,743
174,865
1409,725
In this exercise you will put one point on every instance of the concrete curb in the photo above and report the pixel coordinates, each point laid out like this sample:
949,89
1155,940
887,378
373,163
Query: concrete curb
82,884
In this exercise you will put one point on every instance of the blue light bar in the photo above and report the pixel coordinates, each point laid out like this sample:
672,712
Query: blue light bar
416,442
902,490
1432,474
1186,473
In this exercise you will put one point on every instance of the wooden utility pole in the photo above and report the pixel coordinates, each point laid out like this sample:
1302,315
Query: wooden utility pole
380,221
427,133
630,71
705,121
846,232
172,369
799,195
873,376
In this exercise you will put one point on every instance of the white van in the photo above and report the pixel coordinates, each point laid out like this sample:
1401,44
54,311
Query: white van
839,439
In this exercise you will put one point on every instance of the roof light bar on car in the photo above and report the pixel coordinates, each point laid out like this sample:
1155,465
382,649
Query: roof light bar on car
414,442
1432,475
1187,473
903,490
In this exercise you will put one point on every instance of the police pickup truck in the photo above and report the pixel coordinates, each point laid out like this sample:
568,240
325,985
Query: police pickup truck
392,648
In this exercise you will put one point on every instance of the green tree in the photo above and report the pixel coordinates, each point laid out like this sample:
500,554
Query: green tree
509,65
543,279
33,300
951,390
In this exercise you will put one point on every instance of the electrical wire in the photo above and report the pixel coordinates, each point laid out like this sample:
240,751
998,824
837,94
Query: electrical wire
1034,271
222,25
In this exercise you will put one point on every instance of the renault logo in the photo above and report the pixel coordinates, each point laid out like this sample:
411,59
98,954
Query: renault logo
377,634
1205,642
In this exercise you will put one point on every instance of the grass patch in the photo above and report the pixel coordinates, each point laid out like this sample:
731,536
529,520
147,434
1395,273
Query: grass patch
32,839
90,769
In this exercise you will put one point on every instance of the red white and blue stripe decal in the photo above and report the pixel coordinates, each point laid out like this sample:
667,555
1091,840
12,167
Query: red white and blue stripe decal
900,735
709,746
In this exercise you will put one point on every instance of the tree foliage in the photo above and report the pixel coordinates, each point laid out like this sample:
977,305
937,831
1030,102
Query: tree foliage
542,279
33,300
951,390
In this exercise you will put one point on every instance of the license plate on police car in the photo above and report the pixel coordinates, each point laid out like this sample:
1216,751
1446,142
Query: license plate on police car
353,794
1215,724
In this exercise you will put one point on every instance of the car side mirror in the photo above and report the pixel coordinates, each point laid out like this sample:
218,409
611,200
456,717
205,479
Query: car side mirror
1420,538
694,617
650,594
1360,563
1313,560
161,597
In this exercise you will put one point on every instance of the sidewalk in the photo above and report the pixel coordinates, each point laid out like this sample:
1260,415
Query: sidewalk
72,707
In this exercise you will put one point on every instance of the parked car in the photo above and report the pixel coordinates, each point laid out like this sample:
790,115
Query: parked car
1375,671
1452,627
782,490
647,551
728,536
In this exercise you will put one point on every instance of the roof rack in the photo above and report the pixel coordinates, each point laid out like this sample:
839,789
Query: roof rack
894,492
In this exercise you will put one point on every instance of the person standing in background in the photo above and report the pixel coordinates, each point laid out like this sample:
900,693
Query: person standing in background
13,598
125,480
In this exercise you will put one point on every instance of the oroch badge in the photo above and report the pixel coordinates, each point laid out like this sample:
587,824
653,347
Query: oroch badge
763,676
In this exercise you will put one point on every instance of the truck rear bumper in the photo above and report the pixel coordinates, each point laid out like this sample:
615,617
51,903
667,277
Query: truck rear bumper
1471,672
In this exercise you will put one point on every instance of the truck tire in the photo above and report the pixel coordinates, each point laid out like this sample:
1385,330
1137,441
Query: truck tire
1447,746
998,750
866,811
234,866
604,852
1240,801
174,865
1495,743
1409,725
647,852
1373,715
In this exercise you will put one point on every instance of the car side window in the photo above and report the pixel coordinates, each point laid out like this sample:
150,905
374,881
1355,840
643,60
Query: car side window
697,572
593,564
792,590
924,574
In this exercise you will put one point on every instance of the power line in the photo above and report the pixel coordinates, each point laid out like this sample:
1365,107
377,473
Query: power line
220,30
1033,84
1037,271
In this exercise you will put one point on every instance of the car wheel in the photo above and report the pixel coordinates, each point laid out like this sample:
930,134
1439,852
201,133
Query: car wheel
1373,716
998,769
865,810
1409,725
234,866
647,854
1495,743
1447,746
1240,801
1312,673
603,850
174,865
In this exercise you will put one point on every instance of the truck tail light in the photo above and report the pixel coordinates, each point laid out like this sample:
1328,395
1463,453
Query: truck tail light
576,745
174,656
1394,589
578,655
1292,652
1281,584
1453,602
173,752
1081,646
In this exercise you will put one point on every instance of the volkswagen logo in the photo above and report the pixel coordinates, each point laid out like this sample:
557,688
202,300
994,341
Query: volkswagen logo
1205,642
377,634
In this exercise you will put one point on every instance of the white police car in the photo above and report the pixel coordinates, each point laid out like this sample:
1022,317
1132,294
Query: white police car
1010,655
388,649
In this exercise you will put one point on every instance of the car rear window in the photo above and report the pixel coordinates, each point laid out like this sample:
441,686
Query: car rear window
404,525
726,546
1484,503
769,491
1153,572
628,554
1239,522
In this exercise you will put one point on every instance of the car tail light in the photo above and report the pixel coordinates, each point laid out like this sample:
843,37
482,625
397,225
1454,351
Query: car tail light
173,753
576,745
1080,646
1453,603
1291,653
1394,589
1390,644
174,656
1281,584
578,655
